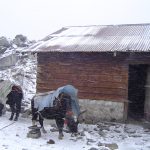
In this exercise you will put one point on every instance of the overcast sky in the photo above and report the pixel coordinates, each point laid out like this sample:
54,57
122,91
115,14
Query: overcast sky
38,18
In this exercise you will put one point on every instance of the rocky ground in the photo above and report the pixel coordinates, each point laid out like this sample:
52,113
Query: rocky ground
100,136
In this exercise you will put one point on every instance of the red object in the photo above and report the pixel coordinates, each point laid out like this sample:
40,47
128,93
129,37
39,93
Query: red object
69,113
66,122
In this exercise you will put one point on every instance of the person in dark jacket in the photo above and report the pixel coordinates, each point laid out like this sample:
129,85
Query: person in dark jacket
14,101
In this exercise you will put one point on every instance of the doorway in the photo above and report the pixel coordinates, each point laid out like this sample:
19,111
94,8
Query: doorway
136,91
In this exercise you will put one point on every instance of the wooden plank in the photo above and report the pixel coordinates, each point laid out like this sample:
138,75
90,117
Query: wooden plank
80,57
84,83
82,77
95,75
61,70
107,90
92,96
77,65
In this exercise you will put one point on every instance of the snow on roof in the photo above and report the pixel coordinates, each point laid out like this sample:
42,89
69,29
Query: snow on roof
97,38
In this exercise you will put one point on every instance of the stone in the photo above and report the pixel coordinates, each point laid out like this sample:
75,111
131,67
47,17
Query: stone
34,132
104,148
102,133
82,133
130,131
93,148
95,129
135,135
33,135
112,146
117,131
50,141
20,40
79,138
91,141
100,144
54,130
4,42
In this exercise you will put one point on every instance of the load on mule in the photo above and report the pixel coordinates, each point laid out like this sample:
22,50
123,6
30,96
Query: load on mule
12,95
59,105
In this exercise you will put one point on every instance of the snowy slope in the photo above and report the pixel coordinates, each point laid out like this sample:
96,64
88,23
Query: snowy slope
23,72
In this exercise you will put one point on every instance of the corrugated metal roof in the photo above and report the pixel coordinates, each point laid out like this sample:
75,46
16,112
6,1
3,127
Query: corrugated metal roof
105,38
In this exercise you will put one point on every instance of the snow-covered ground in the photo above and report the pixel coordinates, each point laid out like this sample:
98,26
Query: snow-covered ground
102,136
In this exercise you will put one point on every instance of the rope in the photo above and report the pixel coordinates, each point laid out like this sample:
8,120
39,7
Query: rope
7,126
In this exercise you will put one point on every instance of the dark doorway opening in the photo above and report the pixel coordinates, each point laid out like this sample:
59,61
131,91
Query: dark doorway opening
136,91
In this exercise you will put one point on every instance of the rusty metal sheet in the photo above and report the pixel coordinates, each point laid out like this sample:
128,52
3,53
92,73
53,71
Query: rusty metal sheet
105,38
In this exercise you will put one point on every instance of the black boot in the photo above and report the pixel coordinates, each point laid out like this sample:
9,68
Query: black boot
11,117
16,117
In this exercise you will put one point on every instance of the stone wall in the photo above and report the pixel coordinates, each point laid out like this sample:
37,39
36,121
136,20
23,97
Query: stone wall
101,110
8,61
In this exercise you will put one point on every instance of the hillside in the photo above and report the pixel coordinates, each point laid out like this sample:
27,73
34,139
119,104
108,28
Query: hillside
18,67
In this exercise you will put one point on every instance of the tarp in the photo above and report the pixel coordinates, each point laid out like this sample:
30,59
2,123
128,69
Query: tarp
5,89
42,100
72,91
46,100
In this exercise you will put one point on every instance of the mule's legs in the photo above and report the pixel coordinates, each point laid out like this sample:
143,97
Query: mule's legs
34,117
60,125
41,123
34,112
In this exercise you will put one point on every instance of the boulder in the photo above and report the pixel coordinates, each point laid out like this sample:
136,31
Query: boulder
20,40
4,42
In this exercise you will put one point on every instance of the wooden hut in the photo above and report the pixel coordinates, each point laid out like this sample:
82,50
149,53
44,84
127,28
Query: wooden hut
109,65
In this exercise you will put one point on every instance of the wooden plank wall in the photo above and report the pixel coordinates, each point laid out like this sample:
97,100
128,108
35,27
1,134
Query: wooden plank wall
96,75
